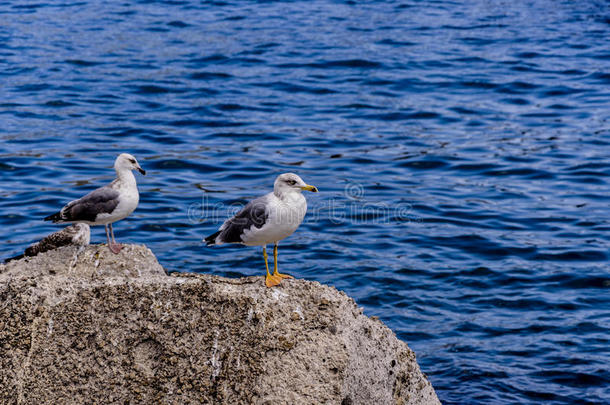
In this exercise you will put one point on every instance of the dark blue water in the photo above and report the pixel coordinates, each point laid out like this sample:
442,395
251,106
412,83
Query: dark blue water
462,151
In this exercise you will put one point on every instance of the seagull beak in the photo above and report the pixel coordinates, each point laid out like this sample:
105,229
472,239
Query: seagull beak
141,170
310,188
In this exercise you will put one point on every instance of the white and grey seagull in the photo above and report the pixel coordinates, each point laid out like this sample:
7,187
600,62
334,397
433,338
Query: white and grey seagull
77,234
267,219
107,204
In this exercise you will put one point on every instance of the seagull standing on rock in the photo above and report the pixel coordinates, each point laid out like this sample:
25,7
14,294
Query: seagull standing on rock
77,234
267,219
107,204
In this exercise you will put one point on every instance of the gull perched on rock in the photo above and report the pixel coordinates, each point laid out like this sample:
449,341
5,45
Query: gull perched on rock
107,204
77,234
267,219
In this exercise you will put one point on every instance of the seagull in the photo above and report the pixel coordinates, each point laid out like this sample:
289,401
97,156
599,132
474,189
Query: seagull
77,234
267,219
107,204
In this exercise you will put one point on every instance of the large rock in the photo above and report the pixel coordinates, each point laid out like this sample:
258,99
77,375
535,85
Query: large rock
82,325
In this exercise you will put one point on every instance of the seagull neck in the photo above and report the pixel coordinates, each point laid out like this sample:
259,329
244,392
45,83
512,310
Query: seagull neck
285,195
126,176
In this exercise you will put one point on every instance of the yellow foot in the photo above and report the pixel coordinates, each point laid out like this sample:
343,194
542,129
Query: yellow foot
280,275
275,279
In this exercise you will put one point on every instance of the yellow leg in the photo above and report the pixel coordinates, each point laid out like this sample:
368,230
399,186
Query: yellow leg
274,279
270,280
275,272
266,262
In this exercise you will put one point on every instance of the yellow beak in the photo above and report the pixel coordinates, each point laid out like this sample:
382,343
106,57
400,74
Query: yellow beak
310,188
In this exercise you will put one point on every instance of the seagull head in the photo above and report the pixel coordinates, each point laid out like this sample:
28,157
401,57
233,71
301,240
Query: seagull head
125,161
290,182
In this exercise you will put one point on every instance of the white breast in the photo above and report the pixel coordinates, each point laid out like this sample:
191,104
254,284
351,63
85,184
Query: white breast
128,202
285,216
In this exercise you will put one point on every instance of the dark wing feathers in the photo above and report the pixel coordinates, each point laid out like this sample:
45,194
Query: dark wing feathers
211,240
53,241
57,239
102,200
253,214
13,258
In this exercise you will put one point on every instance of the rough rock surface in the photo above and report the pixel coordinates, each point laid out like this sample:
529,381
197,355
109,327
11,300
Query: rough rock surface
82,325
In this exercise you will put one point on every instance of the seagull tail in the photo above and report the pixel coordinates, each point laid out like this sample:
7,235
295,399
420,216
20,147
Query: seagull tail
14,258
211,240
55,217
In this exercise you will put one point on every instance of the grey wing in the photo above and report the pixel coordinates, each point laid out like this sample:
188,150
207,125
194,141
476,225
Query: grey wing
101,201
255,213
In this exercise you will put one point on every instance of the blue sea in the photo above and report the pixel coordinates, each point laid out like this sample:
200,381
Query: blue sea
461,150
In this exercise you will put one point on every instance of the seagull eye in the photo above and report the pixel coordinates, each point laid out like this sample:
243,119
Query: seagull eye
291,182
132,161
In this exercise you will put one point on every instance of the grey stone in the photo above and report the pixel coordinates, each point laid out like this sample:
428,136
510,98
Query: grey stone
82,325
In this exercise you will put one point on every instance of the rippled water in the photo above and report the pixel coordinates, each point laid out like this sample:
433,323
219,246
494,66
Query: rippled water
461,150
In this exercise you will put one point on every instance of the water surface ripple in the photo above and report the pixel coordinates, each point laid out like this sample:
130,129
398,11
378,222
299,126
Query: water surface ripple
461,150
